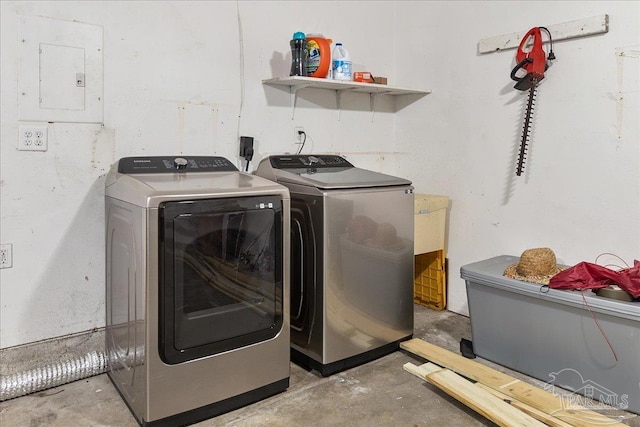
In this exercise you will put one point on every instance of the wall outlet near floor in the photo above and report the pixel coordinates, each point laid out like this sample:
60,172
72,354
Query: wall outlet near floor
6,255
32,138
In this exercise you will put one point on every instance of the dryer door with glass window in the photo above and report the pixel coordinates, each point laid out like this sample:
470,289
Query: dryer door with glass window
220,275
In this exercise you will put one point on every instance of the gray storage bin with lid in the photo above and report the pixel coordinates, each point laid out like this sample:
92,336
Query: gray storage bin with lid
550,334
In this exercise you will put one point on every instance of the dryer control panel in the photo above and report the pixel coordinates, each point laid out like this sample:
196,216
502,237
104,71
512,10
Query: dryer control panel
172,164
305,161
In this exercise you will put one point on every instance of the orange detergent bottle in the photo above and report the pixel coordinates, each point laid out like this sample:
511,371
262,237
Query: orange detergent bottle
319,48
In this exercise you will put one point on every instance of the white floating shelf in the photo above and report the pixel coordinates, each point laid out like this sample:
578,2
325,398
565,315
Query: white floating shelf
567,30
297,82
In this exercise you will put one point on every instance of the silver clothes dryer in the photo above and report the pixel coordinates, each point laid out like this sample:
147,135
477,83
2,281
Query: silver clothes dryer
351,260
197,287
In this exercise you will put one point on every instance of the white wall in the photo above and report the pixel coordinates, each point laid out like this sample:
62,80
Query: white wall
185,77
179,77
580,193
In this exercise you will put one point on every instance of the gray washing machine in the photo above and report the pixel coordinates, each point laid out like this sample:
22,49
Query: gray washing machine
197,287
351,260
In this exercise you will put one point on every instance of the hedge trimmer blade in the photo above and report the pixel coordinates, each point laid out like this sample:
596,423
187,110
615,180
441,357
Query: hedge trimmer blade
526,128
534,64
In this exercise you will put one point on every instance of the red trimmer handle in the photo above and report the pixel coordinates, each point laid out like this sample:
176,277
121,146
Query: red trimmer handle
537,56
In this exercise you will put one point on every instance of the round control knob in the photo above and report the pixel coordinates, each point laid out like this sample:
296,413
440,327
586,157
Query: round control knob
180,163
313,159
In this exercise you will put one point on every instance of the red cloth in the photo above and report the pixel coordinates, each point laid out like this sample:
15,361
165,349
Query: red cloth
586,275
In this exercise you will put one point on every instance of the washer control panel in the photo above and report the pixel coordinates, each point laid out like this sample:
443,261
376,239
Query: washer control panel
296,161
172,164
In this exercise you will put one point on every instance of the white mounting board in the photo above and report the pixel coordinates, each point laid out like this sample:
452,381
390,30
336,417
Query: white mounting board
567,30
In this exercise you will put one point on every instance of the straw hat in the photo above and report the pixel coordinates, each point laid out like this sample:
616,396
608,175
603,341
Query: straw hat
536,265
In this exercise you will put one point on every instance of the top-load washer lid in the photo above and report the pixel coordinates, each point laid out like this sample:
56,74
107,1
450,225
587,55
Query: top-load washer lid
148,181
327,172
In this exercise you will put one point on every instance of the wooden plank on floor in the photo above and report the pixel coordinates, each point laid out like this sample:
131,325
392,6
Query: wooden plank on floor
512,387
425,369
535,413
481,401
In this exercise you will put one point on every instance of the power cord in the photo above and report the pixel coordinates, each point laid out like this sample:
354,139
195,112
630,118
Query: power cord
304,139
241,66
551,55
248,157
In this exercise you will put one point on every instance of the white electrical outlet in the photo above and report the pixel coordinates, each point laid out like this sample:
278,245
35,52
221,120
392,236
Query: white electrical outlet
298,137
33,138
6,255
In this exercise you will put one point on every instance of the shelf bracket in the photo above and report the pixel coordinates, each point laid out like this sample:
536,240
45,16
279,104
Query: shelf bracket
293,92
372,99
339,93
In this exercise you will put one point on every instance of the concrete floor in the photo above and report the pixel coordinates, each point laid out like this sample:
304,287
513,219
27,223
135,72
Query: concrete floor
379,393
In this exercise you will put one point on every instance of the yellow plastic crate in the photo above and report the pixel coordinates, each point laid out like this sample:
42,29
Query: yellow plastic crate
429,285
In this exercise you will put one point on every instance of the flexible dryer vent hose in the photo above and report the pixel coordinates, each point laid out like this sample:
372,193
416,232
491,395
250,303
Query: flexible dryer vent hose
42,378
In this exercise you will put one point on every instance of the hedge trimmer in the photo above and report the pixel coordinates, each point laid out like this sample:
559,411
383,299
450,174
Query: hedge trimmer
534,63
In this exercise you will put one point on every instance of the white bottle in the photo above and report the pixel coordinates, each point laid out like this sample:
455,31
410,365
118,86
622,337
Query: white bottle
340,63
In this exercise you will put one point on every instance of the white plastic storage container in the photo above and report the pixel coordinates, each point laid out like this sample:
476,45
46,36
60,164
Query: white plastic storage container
341,63
550,334
430,218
